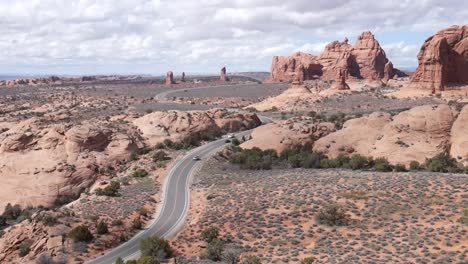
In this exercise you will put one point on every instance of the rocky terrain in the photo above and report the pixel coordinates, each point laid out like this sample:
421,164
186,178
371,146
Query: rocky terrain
414,135
272,214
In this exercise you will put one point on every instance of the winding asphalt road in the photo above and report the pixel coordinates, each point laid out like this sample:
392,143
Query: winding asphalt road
175,203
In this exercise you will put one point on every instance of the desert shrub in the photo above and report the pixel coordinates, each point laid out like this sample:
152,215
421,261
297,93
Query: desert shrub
81,233
136,224
12,212
147,260
214,250
49,220
253,159
160,145
400,168
251,259
210,234
332,215
102,228
464,218
25,247
117,222
155,247
308,260
358,162
414,165
140,173
168,143
382,165
119,261
143,211
45,259
442,162
112,190
235,142
160,156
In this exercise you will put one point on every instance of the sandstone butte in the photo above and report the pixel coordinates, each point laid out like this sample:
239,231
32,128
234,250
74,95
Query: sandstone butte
443,60
364,60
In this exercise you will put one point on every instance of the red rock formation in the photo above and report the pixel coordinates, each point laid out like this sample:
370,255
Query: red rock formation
364,60
443,59
388,72
341,84
223,77
170,78
301,65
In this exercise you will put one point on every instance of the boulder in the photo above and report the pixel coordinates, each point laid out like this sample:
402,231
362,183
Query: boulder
443,60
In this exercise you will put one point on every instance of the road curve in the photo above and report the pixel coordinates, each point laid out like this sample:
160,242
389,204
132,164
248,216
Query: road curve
175,203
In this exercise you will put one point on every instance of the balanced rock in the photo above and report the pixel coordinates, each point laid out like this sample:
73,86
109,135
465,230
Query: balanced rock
341,84
388,72
443,60
182,79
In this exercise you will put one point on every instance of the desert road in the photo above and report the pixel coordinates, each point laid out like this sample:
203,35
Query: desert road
175,204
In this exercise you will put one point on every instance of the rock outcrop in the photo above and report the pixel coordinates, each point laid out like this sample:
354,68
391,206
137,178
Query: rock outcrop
281,135
388,72
223,77
300,65
178,125
41,162
170,78
459,139
417,134
443,60
340,84
364,60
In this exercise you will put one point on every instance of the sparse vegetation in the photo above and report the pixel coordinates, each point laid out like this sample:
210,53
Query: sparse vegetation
102,228
156,248
112,190
210,234
140,173
333,215
25,247
81,233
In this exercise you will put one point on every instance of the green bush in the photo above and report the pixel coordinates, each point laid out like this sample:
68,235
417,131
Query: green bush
160,155
12,212
414,165
308,260
155,247
210,234
140,173
136,224
102,228
235,142
251,259
49,220
400,168
112,190
25,247
358,162
214,250
382,165
81,233
332,215
442,163
253,159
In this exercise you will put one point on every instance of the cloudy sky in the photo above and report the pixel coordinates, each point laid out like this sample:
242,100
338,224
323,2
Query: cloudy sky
200,36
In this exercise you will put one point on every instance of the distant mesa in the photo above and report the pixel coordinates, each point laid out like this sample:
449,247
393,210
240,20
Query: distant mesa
223,77
443,60
364,60
170,78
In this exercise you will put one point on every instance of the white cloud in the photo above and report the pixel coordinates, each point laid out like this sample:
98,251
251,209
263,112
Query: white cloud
153,36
